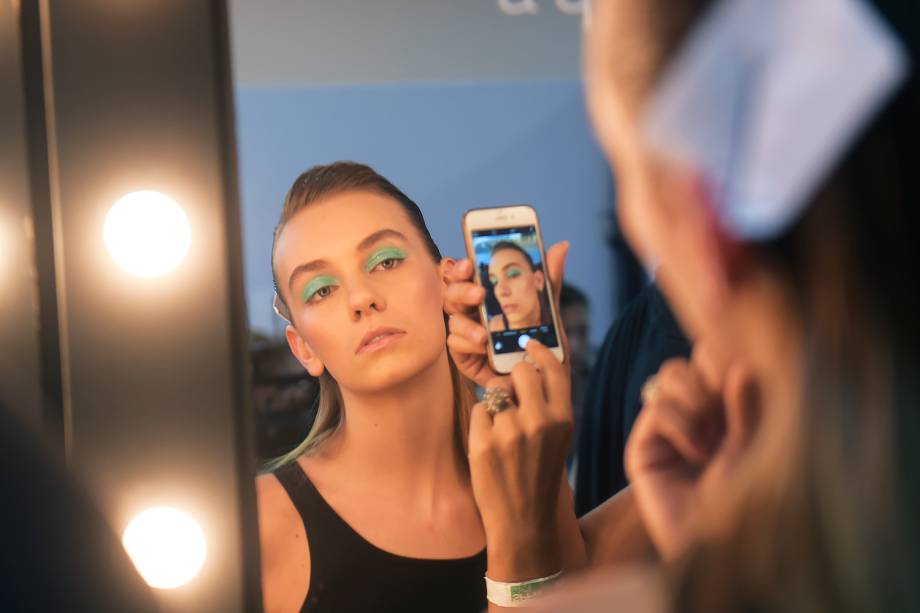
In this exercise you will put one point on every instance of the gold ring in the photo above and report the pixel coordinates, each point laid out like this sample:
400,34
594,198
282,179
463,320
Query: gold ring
650,390
496,400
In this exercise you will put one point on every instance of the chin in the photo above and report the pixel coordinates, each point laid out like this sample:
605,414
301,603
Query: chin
393,369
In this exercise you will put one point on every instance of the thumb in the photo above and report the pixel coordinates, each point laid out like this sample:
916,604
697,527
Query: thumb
555,266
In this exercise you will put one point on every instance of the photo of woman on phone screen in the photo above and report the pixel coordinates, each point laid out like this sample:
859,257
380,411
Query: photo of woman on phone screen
515,283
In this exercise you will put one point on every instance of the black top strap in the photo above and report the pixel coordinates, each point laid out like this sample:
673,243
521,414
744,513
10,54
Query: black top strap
348,573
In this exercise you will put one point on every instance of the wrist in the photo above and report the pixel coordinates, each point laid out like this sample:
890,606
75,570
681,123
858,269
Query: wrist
516,559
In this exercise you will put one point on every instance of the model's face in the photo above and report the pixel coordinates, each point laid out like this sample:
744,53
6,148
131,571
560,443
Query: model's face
517,287
364,293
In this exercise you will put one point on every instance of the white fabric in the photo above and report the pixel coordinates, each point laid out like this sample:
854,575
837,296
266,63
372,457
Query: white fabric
766,97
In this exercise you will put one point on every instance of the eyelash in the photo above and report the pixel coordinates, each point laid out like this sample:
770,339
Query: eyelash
396,262
386,264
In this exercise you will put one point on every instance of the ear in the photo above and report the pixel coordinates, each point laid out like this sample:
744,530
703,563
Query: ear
302,351
539,280
445,267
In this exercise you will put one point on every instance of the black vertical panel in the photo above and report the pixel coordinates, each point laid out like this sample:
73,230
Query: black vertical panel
20,351
154,369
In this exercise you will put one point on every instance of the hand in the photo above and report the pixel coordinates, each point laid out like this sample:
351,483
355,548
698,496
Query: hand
685,443
468,337
516,462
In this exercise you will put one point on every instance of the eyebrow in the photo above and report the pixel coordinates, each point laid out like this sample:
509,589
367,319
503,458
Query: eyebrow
376,237
305,268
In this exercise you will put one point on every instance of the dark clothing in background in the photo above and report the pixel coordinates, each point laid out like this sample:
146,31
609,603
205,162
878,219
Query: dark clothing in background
348,573
643,337
57,552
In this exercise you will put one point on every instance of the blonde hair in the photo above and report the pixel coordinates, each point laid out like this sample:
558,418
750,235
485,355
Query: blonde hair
330,414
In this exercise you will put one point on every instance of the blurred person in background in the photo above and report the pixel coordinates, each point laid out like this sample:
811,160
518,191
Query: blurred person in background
574,311
642,338
284,398
775,470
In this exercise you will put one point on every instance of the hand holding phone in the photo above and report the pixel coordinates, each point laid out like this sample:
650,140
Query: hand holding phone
505,248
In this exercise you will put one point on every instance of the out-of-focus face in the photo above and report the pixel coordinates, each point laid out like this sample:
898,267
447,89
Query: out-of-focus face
660,208
364,293
517,287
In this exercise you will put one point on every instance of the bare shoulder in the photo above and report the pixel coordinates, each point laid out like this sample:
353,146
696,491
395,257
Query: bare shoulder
283,548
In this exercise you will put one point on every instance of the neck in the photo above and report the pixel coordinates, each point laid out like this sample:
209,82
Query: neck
404,436
530,319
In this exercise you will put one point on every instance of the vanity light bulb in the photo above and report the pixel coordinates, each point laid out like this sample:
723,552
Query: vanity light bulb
147,233
166,545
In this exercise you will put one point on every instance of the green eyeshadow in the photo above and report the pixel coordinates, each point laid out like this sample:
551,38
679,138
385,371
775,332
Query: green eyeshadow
315,285
384,254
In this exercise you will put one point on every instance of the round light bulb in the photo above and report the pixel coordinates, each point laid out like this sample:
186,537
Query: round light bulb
147,233
166,545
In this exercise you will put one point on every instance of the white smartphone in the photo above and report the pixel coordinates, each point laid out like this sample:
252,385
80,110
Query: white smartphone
505,246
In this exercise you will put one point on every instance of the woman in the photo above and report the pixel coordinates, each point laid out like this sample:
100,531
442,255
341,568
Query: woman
775,469
374,510
518,287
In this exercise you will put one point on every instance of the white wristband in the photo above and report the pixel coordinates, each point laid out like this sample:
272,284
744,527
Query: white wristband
517,594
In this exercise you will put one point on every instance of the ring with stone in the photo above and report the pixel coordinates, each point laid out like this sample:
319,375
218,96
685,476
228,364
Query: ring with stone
496,399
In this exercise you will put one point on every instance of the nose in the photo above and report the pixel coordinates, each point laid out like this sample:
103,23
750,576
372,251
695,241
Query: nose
503,288
363,299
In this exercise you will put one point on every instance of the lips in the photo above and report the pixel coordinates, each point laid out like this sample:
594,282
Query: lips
378,338
511,307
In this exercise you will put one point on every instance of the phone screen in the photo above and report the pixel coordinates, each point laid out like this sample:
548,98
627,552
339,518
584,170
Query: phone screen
517,305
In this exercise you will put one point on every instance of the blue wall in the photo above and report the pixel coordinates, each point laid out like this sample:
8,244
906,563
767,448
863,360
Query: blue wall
450,147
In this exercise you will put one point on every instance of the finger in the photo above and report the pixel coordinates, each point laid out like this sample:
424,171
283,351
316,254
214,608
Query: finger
460,345
460,297
668,422
678,381
503,382
528,389
465,327
480,428
706,361
506,427
459,270
555,266
555,379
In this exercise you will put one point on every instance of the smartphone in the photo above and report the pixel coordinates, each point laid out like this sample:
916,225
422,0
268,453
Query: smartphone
505,246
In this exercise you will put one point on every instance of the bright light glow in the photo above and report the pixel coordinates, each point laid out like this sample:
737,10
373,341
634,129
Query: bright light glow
166,545
147,233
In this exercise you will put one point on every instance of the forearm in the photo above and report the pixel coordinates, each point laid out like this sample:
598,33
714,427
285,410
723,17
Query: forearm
614,533
526,557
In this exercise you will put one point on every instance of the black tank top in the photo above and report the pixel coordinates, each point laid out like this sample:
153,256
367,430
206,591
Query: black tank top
347,573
